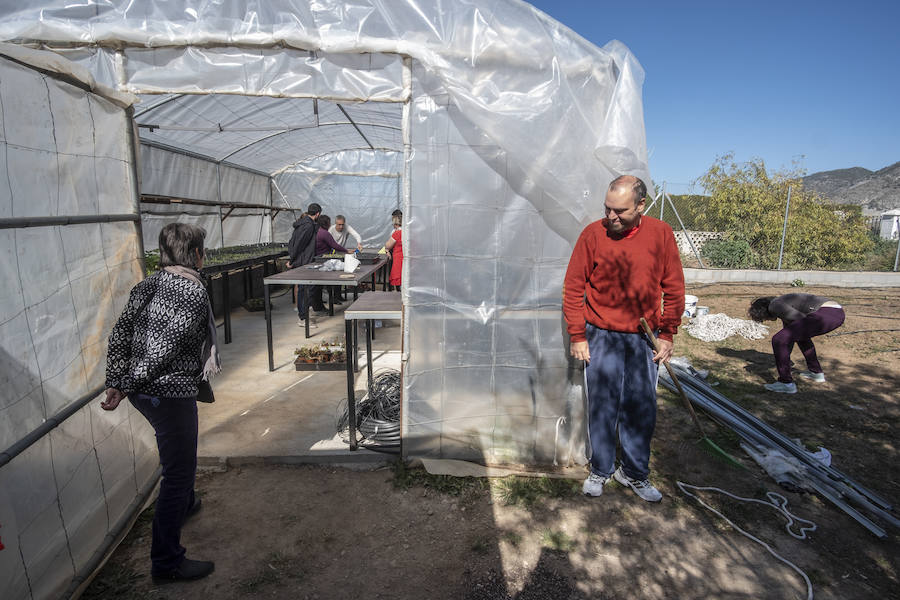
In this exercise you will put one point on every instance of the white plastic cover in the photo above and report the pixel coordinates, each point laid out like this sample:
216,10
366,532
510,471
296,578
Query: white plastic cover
63,152
513,127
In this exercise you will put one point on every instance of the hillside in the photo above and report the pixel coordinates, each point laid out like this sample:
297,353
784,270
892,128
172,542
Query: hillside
875,191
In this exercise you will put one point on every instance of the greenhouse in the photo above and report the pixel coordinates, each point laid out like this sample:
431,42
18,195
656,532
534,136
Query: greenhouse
491,126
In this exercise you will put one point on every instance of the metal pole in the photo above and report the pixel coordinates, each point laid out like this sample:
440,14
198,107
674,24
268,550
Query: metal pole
221,228
686,232
897,256
787,208
662,204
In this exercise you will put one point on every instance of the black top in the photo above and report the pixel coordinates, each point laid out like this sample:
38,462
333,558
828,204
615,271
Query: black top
791,307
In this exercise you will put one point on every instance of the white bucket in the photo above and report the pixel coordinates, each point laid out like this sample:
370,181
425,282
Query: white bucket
702,310
350,263
690,305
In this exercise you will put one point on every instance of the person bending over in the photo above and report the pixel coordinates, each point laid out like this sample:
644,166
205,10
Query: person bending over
803,316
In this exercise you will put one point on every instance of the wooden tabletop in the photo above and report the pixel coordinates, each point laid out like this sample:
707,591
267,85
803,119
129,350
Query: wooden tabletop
308,276
375,305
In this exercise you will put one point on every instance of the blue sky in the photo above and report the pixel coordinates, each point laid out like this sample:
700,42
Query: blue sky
816,82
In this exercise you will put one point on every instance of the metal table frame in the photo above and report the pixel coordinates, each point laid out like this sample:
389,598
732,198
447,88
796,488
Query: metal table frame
369,306
306,276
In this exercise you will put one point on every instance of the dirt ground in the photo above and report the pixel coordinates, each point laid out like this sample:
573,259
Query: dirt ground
323,532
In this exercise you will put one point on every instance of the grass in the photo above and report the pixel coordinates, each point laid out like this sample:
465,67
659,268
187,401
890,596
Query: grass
116,581
405,477
558,541
528,491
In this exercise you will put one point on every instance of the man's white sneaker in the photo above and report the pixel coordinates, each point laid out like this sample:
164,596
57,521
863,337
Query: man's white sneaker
782,388
641,487
593,485
816,377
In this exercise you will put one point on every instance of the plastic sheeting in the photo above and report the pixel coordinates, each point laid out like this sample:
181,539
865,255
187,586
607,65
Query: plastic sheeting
63,152
513,127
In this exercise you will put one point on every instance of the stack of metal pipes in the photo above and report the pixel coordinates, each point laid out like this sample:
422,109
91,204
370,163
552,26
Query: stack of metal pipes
865,506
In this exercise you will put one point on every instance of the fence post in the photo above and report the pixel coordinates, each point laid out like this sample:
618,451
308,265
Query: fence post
662,203
787,208
684,229
897,256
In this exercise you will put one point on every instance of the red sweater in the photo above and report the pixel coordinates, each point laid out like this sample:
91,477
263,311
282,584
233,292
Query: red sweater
612,281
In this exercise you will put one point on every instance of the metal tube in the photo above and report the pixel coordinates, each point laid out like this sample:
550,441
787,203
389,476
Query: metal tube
777,437
22,222
266,297
742,422
662,205
351,395
897,256
684,229
787,208
44,428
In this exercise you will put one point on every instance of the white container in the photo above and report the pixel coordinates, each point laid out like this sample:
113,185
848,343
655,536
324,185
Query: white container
702,310
350,263
690,305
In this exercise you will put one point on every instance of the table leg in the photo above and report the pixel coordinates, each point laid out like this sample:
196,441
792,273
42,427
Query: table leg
369,324
351,396
226,300
355,346
268,326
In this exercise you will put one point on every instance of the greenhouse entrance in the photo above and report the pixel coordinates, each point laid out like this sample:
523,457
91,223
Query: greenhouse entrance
245,168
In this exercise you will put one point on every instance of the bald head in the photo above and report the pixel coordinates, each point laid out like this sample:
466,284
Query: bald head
630,183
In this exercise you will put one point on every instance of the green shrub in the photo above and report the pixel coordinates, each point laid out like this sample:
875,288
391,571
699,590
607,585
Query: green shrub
151,261
732,254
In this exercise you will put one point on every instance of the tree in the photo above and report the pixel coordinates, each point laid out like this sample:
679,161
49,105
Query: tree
747,202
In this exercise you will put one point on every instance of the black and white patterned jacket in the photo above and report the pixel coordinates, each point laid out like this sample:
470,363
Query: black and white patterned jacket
156,344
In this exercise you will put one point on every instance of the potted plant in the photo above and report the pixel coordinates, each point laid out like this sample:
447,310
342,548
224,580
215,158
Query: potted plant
322,356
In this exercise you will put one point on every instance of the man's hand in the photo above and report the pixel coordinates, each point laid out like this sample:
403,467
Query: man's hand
359,247
580,351
665,351
113,397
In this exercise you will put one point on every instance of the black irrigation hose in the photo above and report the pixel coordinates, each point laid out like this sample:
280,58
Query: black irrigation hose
862,331
378,412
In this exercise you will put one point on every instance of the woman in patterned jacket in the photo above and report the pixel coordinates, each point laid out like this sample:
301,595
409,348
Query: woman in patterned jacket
161,353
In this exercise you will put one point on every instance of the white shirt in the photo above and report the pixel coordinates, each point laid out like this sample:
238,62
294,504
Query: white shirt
341,236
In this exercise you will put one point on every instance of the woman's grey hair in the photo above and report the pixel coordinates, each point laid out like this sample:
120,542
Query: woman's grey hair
178,243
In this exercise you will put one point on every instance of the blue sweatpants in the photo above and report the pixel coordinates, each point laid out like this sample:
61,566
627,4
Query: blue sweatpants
620,381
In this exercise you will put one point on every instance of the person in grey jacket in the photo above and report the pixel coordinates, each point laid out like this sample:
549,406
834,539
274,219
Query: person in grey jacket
804,316
161,350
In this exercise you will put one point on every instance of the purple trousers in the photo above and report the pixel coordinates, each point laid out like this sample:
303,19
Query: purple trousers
802,331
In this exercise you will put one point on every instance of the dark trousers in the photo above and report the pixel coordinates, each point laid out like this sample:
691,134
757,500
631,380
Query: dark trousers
303,300
802,331
315,298
175,422
620,382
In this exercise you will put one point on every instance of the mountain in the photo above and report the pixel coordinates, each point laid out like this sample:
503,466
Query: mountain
876,191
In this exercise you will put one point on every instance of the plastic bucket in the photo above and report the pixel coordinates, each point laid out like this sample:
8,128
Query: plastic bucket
690,305
702,310
350,263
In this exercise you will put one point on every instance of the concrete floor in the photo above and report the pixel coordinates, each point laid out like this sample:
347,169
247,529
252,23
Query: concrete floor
284,415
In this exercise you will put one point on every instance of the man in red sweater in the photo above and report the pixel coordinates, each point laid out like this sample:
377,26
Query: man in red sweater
622,268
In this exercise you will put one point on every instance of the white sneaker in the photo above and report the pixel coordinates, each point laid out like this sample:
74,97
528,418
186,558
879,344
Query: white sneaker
816,377
641,487
782,388
302,323
593,485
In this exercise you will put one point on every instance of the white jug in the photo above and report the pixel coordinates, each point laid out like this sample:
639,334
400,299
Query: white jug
350,263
